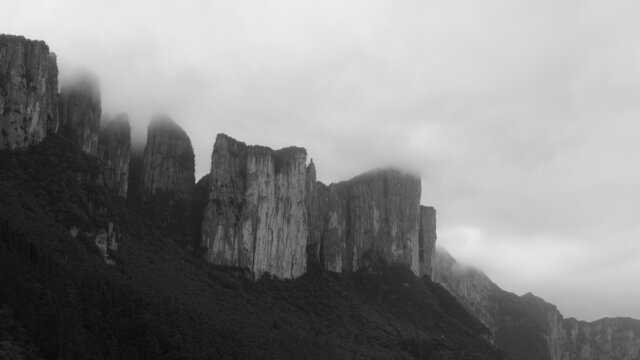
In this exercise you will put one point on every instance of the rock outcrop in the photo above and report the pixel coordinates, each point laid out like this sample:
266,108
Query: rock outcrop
268,213
168,163
28,92
256,217
529,328
372,218
605,339
114,150
471,287
80,110
107,240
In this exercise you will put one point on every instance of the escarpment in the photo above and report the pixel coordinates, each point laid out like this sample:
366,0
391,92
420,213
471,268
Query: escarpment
608,338
370,219
114,150
268,213
168,163
80,110
28,92
256,218
528,327
167,178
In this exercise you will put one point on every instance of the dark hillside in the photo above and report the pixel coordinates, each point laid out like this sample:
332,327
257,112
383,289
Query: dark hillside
60,300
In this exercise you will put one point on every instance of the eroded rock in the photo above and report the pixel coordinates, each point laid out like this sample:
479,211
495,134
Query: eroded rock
369,219
168,163
427,240
28,92
107,240
256,217
80,110
114,151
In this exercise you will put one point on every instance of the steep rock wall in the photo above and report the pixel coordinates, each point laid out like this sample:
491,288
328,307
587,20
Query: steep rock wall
427,240
114,151
256,217
605,339
529,328
371,218
80,110
28,92
167,178
471,287
168,163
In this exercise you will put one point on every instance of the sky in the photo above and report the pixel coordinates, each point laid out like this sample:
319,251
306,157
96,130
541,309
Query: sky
521,116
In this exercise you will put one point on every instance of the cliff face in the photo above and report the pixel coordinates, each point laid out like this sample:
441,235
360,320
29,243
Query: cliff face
80,110
267,213
529,328
168,162
427,240
371,218
256,217
28,92
605,339
115,153
472,288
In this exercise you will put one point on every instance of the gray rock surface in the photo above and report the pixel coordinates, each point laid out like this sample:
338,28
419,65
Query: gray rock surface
427,240
256,217
28,92
529,328
114,151
372,218
107,240
604,339
168,163
80,110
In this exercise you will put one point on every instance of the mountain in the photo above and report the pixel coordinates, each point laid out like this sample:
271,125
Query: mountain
60,298
106,253
528,327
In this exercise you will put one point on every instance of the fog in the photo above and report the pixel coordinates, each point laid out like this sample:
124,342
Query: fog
520,116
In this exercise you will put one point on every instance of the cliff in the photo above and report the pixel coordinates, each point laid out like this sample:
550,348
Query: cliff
372,218
529,328
167,178
28,92
80,110
471,287
604,339
427,240
256,218
168,163
114,151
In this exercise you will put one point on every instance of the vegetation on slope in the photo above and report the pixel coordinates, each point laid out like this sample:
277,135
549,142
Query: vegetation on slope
59,300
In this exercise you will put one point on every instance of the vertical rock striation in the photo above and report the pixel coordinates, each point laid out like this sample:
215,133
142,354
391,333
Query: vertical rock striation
268,213
427,240
168,163
80,110
604,339
168,178
114,150
28,92
256,217
370,219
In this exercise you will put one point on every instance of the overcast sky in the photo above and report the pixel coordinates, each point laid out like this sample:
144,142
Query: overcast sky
522,117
